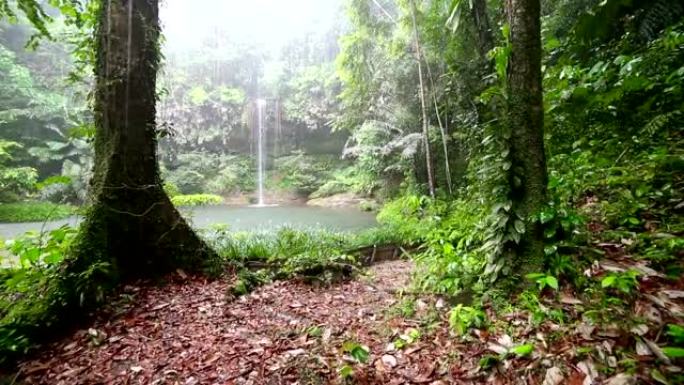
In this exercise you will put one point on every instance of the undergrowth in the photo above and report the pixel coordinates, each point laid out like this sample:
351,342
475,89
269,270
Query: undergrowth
196,200
34,211
313,255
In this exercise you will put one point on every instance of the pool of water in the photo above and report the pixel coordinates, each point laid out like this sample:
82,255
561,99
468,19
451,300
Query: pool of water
239,218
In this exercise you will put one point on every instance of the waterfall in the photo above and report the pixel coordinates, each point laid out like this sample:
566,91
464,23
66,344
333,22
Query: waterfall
260,151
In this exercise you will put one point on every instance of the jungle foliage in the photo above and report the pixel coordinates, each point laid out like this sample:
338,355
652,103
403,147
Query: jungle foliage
421,93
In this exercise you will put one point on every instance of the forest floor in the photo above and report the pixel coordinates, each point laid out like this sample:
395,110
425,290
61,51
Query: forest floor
362,331
286,332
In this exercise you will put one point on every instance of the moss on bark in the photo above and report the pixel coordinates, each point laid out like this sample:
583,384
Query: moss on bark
527,174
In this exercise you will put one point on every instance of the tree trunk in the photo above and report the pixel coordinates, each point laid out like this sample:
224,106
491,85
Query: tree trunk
527,175
478,11
423,105
131,221
442,130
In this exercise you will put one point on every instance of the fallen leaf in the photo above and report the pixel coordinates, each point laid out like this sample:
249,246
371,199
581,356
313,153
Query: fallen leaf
642,349
586,330
622,379
673,294
570,300
587,367
496,348
639,330
295,352
554,376
160,306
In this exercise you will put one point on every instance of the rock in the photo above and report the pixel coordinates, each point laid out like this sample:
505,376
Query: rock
337,200
389,360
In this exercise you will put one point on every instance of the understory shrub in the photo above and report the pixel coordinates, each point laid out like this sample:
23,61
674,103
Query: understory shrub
35,292
196,173
196,200
303,173
34,211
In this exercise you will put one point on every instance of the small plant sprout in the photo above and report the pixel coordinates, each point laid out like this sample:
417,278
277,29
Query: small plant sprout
463,318
543,280
624,282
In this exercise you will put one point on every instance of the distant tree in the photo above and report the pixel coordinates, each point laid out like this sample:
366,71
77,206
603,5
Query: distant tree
423,103
527,175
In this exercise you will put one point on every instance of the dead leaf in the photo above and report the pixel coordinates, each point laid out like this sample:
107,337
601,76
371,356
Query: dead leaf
586,330
587,367
295,352
160,306
642,349
554,376
639,330
673,294
497,348
569,300
622,379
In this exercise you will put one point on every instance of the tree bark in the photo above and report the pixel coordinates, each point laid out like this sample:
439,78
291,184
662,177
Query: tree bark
527,174
423,104
478,11
131,221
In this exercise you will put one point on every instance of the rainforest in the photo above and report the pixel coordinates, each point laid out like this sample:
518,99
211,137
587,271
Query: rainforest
342,192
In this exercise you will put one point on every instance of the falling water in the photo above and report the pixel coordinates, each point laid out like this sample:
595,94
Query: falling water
260,152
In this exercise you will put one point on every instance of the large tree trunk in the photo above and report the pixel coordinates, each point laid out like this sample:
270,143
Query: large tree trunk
527,175
131,222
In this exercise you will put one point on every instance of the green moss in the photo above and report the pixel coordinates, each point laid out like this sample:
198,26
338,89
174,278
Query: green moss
34,211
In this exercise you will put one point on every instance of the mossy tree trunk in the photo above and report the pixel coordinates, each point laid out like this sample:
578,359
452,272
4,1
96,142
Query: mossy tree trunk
527,174
131,221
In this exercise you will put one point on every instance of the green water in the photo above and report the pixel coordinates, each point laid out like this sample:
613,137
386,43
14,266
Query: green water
239,218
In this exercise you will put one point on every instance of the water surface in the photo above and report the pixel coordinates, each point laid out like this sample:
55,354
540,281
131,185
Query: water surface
239,218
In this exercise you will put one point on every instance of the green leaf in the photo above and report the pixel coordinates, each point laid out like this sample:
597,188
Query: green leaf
673,352
656,375
360,354
414,334
488,361
345,371
519,226
534,276
609,281
552,282
676,332
522,350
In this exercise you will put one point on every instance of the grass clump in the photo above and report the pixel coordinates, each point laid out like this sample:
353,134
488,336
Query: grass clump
313,255
34,211
196,200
